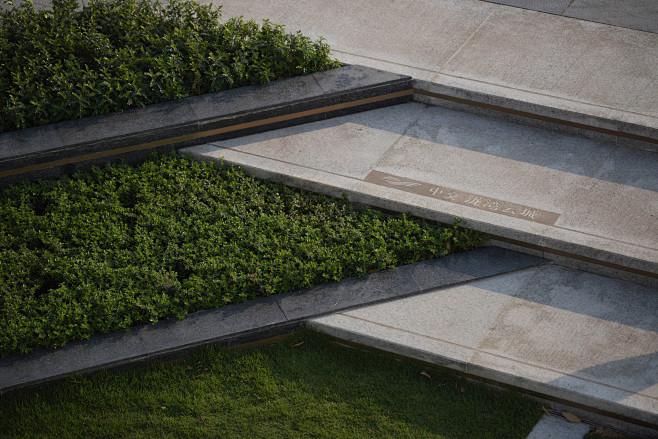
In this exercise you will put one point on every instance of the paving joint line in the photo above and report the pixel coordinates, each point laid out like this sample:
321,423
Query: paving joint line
468,39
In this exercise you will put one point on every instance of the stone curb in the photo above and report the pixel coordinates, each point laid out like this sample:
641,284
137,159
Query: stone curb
53,150
254,320
596,127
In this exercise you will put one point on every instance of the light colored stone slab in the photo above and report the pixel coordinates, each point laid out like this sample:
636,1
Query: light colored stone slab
415,33
348,146
468,163
646,102
389,66
440,315
548,54
613,211
551,427
583,346
584,338
265,168
392,339
643,117
633,14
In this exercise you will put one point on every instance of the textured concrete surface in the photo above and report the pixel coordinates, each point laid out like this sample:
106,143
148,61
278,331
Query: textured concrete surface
631,14
550,427
562,333
604,196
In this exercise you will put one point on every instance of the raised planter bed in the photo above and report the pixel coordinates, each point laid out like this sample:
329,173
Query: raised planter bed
54,150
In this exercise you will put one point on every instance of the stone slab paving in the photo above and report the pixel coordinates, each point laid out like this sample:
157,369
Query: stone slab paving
587,197
563,333
253,320
631,14
550,427
590,68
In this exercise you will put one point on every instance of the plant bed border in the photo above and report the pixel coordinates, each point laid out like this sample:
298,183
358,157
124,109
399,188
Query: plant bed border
254,320
53,150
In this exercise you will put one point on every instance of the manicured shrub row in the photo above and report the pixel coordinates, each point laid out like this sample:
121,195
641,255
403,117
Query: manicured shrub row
123,246
117,54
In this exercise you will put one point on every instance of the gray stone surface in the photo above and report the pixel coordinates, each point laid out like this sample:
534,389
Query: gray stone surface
139,125
325,88
545,116
570,59
632,14
550,6
121,348
551,427
493,137
352,77
348,147
29,142
488,261
437,31
562,333
630,167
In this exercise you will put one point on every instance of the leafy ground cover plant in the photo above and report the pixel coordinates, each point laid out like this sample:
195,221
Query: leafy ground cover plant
111,55
302,386
122,246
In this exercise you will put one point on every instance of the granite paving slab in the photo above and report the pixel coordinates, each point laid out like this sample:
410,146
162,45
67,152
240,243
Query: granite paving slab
561,333
631,14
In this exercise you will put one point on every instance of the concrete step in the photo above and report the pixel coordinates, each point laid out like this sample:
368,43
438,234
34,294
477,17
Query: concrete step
561,334
585,203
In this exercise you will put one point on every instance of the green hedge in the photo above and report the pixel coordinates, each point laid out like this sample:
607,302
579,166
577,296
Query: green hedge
123,246
117,54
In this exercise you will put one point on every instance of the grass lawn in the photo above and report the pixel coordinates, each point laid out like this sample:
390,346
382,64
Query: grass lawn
302,386
124,246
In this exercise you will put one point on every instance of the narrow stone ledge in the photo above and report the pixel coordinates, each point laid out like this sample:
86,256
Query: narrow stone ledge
621,132
54,150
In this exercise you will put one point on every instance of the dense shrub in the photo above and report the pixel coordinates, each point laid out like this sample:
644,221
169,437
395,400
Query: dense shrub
122,246
117,54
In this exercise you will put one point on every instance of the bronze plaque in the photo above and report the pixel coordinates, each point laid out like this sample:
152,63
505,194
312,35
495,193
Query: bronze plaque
464,198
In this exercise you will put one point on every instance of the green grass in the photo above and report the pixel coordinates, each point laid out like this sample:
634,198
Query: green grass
302,386
124,246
